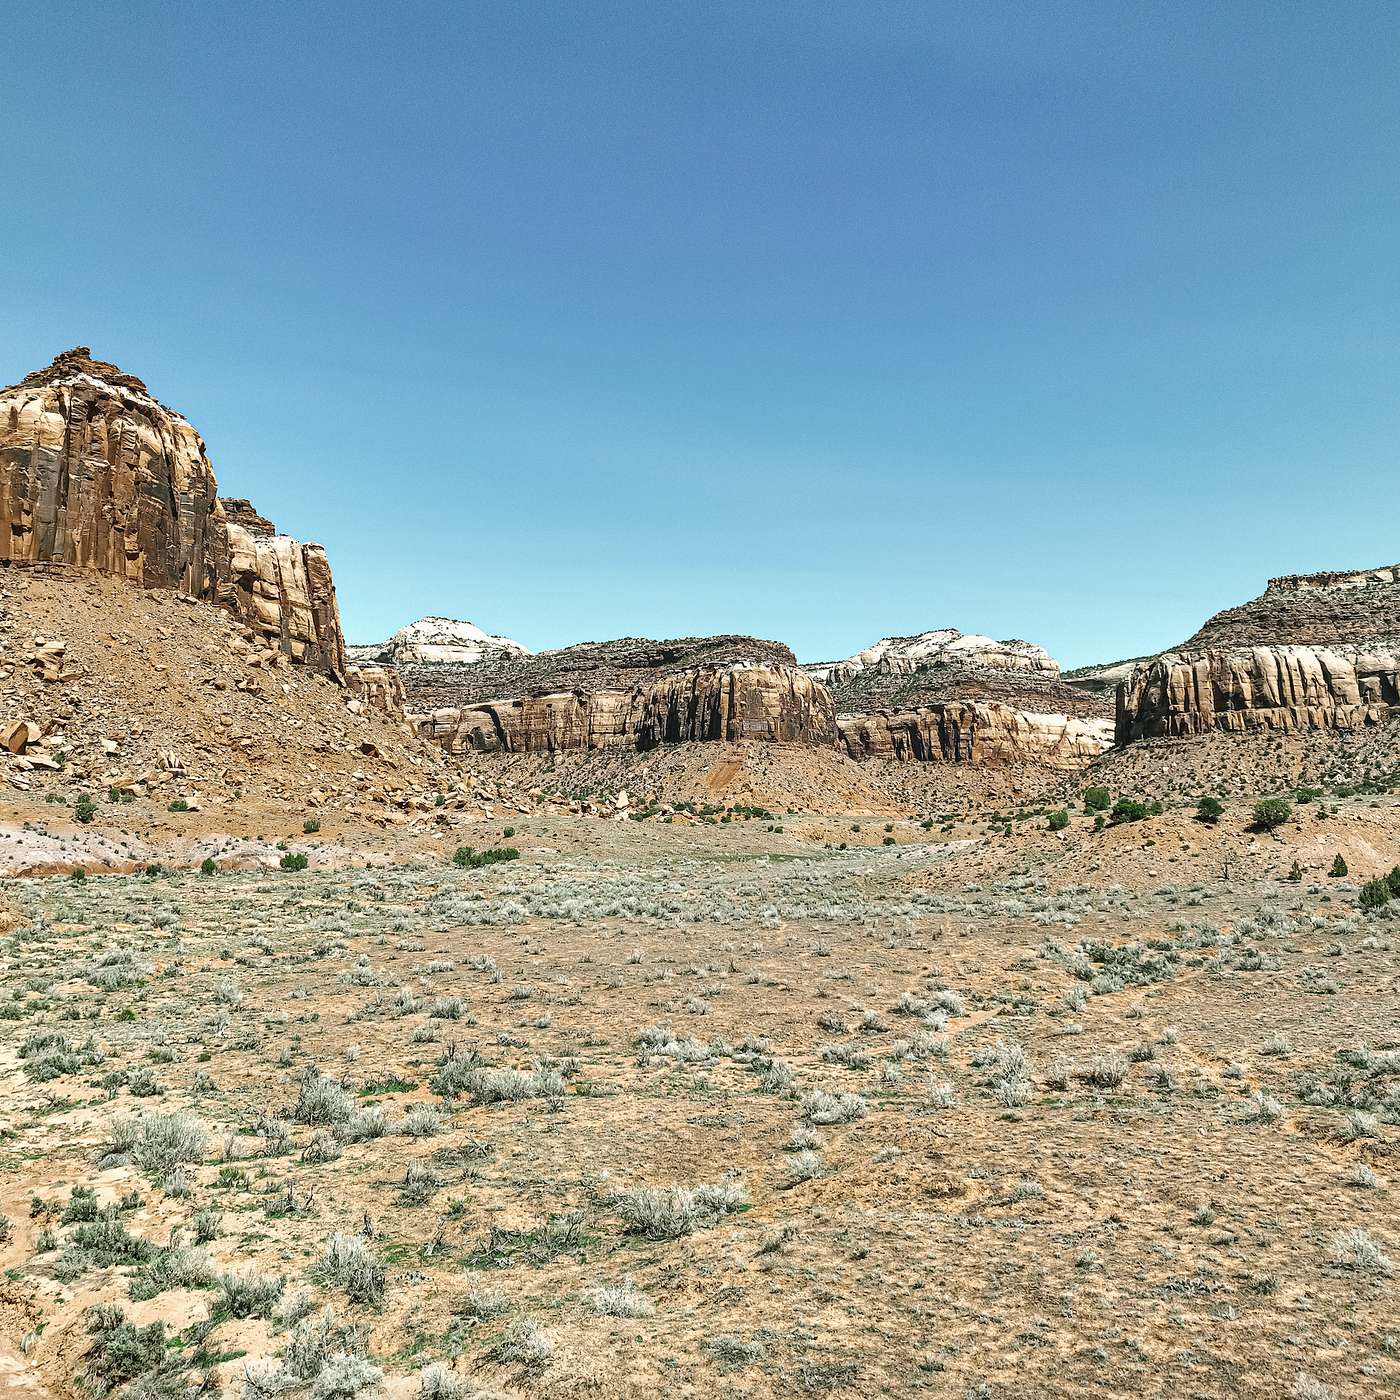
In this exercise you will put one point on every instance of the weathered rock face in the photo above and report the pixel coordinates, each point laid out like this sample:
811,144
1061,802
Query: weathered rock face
374,688
1314,651
440,641
933,668
741,700
1262,687
96,474
945,646
973,732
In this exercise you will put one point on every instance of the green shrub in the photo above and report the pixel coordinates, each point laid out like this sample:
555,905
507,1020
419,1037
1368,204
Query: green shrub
1271,813
293,860
179,805
1057,821
1339,867
85,809
508,832
1096,799
1393,880
311,826
1129,809
1209,810
466,858
208,867
1374,893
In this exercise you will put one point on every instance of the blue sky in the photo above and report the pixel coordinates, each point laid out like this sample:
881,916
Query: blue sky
1066,321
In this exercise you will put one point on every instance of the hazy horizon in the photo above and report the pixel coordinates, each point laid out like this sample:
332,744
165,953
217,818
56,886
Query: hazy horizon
1072,324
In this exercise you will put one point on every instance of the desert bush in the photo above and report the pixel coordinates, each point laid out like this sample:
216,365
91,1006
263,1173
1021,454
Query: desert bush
1105,1071
344,1376
321,1101
349,1261
156,1142
250,1295
618,1300
466,858
176,1266
1358,1249
119,1351
820,1106
668,1212
526,1344
1271,813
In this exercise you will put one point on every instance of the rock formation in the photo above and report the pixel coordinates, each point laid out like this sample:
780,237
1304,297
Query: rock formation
97,475
904,673
949,697
972,732
439,641
634,693
945,646
1314,651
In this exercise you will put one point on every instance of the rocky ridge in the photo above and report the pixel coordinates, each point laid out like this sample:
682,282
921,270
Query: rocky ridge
96,474
634,693
1314,651
933,668
439,641
976,733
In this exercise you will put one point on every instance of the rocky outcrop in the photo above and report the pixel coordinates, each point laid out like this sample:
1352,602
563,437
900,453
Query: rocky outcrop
944,666
1328,609
945,646
1314,651
1103,679
977,733
439,641
97,475
743,699
1263,687
374,687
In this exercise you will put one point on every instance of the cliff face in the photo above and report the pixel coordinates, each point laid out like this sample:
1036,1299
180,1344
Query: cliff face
1262,687
739,700
96,474
944,666
974,732
1314,651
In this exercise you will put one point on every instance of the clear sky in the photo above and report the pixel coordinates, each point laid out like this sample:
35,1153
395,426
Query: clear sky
1073,322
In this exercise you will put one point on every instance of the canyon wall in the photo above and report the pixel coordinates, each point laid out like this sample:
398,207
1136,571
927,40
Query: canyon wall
741,700
1313,651
97,475
1253,688
977,733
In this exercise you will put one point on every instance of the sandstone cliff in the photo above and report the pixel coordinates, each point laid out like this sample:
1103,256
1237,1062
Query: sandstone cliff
97,475
976,733
632,693
943,666
1314,651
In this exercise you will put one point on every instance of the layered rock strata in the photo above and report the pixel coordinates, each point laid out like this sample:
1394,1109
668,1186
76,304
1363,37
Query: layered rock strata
97,475
1262,687
737,700
977,733
905,673
1314,651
